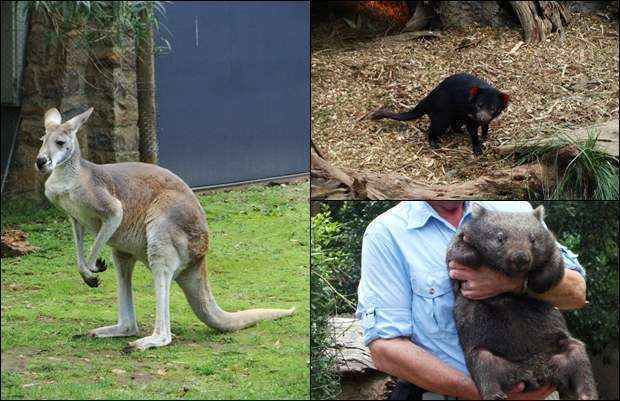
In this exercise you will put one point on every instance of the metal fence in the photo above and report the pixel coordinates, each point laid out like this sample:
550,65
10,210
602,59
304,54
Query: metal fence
233,92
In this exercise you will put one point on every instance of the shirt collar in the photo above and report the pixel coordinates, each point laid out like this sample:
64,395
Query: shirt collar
420,212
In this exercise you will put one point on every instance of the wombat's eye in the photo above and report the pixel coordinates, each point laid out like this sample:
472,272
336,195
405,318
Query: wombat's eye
532,239
60,143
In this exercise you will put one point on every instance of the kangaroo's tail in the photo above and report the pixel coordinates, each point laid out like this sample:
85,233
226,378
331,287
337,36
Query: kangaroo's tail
412,114
195,285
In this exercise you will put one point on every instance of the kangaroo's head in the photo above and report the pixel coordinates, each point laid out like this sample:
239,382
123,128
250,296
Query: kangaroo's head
59,141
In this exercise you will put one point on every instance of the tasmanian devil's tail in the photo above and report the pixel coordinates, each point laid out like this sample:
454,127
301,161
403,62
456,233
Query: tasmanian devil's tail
195,285
412,114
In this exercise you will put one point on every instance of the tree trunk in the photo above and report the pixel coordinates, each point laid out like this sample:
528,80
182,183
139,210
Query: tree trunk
145,71
538,18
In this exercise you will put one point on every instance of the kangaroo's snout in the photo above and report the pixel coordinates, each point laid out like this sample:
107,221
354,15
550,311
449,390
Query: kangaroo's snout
41,162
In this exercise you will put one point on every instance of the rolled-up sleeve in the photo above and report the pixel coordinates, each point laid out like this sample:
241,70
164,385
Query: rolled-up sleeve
571,261
384,292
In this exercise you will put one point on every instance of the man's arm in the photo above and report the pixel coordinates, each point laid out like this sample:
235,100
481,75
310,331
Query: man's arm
481,283
402,358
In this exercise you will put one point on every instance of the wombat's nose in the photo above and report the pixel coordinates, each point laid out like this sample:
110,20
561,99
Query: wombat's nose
41,161
520,258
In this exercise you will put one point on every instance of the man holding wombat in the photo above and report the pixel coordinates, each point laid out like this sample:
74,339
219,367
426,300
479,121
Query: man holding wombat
406,299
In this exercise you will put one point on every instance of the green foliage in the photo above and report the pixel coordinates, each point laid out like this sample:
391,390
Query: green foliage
592,174
258,257
335,268
92,22
323,381
590,229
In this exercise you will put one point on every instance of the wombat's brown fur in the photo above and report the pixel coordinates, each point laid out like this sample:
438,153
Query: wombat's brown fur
511,338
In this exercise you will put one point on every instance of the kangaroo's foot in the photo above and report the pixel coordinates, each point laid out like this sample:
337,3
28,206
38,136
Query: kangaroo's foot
114,331
155,340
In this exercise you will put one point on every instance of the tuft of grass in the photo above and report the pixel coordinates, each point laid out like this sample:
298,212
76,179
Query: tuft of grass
258,257
592,174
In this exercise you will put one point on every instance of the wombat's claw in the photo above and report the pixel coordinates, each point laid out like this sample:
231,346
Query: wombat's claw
92,281
100,266
499,396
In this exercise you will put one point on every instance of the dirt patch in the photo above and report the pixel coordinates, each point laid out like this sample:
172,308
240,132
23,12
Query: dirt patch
553,85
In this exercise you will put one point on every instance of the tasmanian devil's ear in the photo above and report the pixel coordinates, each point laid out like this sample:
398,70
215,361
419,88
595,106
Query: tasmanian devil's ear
505,98
473,91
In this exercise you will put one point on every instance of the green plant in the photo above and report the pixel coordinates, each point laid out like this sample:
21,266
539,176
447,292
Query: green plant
591,174
590,229
324,383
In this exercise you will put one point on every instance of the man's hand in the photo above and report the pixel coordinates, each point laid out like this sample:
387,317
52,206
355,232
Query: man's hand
482,283
538,394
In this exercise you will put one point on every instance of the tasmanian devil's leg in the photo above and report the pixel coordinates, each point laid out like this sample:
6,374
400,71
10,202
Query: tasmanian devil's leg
438,127
476,145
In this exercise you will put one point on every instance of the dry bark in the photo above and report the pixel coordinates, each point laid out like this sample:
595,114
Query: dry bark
539,18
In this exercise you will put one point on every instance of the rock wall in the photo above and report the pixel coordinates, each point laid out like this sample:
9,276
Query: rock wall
61,73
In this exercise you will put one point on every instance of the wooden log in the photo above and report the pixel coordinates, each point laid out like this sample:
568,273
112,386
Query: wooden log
331,182
352,356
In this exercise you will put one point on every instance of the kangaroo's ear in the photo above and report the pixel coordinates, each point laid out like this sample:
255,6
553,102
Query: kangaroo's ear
52,117
539,213
76,122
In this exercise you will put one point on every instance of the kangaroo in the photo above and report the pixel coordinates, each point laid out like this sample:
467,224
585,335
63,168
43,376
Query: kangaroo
144,213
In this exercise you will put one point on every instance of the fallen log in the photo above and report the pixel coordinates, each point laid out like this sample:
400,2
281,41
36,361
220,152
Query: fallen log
335,183
519,182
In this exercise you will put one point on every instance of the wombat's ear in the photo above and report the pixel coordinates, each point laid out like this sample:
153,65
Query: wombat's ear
539,213
477,211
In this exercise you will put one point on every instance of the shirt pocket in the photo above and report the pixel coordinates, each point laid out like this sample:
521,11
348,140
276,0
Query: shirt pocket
433,310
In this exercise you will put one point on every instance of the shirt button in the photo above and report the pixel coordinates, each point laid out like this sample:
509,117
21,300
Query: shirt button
431,291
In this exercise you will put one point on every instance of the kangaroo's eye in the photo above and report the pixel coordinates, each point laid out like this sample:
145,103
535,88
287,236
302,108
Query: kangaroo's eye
60,143
500,237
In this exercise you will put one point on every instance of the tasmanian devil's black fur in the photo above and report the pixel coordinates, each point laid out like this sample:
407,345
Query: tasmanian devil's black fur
509,338
460,99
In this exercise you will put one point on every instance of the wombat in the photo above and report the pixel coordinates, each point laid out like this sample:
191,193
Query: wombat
510,338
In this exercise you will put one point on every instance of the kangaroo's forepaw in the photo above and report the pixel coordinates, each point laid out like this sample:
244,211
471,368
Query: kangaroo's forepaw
114,331
149,342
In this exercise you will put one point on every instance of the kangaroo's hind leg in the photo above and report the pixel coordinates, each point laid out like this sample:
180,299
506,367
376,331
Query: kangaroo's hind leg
127,325
165,262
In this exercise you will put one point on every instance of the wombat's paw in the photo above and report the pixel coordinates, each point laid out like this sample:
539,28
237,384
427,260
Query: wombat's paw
478,151
500,395
100,266
92,281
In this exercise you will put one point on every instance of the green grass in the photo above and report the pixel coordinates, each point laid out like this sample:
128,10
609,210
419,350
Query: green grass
258,258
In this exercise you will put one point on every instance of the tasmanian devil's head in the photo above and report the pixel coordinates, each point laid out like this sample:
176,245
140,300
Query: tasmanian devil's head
513,243
487,103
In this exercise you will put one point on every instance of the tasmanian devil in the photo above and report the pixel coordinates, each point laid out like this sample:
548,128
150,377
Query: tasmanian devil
457,100
510,338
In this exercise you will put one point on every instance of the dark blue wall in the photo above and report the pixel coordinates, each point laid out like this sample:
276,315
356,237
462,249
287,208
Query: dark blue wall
233,94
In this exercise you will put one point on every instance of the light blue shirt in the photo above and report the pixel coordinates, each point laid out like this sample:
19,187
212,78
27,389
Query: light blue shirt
405,290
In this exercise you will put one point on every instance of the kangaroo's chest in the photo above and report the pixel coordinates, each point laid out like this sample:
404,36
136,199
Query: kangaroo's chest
69,198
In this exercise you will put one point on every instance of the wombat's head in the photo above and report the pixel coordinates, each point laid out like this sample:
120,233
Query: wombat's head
513,243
